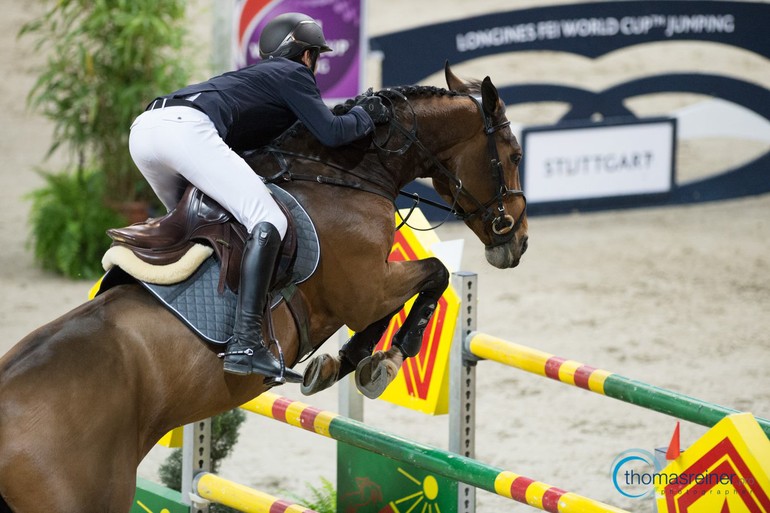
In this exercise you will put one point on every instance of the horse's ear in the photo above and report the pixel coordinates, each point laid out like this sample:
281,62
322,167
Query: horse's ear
490,99
452,81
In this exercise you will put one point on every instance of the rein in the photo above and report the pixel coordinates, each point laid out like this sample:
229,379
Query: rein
285,174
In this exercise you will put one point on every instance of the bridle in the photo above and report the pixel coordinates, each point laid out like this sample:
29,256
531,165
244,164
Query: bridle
504,226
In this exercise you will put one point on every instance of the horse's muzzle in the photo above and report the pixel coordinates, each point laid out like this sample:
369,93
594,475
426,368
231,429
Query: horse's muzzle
508,254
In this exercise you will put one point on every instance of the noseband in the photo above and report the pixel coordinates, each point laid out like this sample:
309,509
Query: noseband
503,223
504,226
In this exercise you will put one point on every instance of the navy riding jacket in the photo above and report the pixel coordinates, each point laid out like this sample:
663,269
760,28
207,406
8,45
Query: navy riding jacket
252,106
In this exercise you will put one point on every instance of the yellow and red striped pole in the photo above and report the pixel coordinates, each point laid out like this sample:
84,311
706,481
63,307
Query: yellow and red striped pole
450,465
242,498
600,381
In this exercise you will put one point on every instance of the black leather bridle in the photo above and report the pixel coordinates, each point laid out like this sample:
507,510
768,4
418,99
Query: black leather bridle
504,226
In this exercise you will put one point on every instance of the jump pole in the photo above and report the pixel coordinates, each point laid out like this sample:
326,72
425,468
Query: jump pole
242,498
450,465
570,372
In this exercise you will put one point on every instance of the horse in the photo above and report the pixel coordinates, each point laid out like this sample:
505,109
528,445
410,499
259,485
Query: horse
85,397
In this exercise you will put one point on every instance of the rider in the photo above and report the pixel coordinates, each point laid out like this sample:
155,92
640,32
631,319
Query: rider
195,135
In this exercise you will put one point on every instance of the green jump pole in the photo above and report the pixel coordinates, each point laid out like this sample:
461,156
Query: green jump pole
577,374
444,463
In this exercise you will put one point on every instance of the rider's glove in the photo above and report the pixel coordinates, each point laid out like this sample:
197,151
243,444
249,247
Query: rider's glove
375,108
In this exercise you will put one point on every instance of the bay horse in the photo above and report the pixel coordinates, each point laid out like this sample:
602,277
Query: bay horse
85,397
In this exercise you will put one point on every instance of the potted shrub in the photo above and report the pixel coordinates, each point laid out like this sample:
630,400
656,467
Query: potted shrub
106,60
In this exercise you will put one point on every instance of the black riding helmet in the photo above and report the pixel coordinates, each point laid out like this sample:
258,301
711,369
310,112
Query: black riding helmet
290,34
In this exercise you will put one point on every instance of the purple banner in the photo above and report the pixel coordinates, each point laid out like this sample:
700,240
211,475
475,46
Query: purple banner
339,72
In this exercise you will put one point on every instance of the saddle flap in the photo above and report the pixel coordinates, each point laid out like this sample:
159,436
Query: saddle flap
194,212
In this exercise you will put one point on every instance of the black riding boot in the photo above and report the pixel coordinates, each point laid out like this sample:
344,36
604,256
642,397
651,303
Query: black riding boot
246,352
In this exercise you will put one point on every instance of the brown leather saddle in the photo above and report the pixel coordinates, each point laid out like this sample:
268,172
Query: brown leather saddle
199,219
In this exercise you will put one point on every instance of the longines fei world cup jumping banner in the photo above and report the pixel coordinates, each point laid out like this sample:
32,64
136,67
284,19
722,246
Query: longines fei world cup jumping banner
340,72
593,30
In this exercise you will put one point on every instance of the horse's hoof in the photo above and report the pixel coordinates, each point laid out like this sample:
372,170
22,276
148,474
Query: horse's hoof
371,378
374,374
320,374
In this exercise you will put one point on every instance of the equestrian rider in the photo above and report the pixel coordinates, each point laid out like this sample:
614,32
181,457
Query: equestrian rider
194,135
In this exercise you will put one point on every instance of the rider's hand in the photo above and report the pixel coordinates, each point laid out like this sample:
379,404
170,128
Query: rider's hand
376,109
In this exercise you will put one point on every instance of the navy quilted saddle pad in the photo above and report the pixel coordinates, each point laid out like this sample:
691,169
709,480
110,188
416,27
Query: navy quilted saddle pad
197,302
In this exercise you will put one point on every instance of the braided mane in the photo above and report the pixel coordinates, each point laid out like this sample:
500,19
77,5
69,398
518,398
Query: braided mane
410,91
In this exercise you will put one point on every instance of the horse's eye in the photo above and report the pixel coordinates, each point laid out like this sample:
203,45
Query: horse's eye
516,159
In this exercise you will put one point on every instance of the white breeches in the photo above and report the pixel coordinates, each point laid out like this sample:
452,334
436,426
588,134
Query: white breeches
174,146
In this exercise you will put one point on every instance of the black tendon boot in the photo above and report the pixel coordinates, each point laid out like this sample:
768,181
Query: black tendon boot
246,352
409,338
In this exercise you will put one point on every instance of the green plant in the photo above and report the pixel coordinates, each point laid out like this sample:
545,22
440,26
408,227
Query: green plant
68,220
322,499
224,436
106,60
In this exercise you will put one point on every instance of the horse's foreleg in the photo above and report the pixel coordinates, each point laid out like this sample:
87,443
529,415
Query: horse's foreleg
374,373
325,370
428,279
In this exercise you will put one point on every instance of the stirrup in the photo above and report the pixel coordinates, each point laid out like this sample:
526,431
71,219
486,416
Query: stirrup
285,375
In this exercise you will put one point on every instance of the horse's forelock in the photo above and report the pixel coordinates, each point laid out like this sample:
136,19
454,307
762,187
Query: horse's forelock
474,87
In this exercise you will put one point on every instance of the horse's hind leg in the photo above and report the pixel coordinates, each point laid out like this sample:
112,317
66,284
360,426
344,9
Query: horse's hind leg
68,485
54,494
325,370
